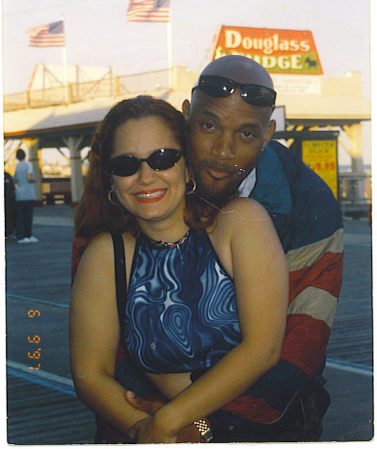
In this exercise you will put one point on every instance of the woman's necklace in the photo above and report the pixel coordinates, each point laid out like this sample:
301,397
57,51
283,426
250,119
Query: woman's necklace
163,244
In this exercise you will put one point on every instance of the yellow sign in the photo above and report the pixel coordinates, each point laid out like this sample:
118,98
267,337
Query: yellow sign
321,157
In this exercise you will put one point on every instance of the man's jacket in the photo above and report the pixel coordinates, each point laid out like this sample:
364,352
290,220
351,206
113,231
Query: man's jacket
308,221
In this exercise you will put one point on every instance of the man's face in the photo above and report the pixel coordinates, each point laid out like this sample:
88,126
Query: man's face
225,139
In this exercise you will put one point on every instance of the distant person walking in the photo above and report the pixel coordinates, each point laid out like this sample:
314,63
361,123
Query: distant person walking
25,197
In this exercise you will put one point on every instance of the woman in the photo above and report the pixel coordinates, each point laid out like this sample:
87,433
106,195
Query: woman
207,291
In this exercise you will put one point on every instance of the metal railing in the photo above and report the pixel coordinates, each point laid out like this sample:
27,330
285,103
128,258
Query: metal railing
355,193
109,86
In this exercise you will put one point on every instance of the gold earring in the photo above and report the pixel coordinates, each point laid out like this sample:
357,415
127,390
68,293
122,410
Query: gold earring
110,197
193,188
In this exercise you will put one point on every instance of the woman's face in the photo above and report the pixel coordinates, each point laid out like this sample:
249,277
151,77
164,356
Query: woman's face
148,194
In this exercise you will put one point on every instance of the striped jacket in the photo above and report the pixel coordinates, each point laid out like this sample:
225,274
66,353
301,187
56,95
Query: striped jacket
308,221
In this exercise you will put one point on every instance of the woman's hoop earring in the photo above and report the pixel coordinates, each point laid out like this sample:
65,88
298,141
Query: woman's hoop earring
193,188
110,197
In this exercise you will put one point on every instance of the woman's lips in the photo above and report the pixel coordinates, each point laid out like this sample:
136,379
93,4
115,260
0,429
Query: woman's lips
150,196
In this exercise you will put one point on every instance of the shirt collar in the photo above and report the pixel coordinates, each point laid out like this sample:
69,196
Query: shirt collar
247,184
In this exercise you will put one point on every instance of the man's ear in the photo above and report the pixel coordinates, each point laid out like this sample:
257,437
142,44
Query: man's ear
270,130
186,109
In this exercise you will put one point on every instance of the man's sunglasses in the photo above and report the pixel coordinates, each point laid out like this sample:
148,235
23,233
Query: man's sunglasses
161,159
218,86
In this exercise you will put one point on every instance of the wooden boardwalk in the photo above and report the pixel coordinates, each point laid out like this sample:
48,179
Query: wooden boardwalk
42,407
352,334
41,414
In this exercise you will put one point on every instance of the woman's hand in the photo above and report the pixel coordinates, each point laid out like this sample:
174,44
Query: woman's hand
148,431
189,434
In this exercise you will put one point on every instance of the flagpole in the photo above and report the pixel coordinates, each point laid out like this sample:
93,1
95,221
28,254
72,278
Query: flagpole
170,46
65,65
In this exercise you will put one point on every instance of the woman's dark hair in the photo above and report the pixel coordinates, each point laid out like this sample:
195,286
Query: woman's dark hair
95,212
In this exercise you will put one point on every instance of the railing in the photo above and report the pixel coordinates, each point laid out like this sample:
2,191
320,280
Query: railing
355,193
56,190
107,87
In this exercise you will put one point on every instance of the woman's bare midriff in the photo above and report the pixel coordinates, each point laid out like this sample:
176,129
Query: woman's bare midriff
170,385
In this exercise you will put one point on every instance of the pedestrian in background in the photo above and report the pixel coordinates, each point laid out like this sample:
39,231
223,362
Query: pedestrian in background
25,197
9,204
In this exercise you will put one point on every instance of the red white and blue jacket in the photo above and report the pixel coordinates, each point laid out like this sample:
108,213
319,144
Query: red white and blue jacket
308,221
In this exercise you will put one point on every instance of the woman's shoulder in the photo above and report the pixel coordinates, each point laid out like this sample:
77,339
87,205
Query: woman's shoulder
240,210
103,243
100,240
99,247
235,223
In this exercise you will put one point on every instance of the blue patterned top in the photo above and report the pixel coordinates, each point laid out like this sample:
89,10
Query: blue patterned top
181,311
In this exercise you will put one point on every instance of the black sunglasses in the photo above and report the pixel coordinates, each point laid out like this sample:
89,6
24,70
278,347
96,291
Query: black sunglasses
218,86
127,165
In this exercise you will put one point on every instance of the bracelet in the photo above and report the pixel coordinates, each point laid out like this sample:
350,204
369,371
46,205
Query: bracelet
204,429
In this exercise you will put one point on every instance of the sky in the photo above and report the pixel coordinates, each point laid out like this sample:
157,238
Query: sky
97,34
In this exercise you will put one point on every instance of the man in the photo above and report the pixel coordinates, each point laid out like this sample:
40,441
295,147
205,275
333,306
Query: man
229,130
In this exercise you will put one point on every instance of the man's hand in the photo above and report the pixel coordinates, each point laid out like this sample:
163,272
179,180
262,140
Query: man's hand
144,405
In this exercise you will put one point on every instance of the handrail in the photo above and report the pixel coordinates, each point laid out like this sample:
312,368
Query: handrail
107,87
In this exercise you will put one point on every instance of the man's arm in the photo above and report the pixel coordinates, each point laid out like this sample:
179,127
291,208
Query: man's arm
309,224
315,281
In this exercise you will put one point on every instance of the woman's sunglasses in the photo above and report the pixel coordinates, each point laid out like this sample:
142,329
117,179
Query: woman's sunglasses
160,159
218,86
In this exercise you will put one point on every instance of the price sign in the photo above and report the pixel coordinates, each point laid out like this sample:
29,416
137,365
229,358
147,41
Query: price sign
321,157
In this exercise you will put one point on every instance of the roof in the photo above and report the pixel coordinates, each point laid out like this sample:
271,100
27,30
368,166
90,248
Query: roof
50,124
307,100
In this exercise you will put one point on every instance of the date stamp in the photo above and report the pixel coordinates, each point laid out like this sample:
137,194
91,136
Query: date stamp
35,352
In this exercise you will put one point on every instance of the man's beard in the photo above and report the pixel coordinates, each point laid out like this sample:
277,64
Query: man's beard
218,197
217,192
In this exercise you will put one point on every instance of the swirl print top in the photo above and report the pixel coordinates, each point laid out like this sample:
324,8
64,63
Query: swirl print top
181,311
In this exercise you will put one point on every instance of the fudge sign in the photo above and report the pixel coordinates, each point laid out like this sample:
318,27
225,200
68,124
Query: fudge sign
278,51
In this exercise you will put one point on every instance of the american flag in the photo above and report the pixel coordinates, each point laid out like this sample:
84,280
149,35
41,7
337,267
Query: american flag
148,11
51,35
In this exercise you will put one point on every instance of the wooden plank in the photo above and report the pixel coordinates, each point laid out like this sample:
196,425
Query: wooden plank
40,415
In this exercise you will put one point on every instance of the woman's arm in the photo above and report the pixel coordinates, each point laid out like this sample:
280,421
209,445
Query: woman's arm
251,252
94,336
